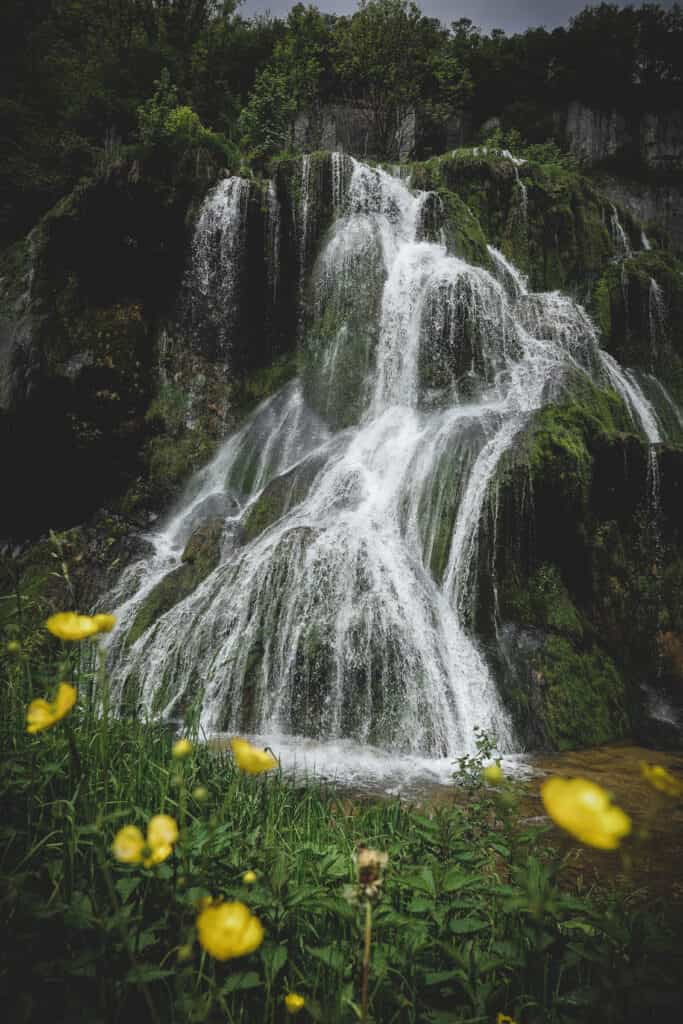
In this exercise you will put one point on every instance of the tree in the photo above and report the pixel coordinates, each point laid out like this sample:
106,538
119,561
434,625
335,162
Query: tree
386,62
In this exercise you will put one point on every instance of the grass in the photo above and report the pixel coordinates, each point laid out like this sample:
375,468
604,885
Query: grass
476,915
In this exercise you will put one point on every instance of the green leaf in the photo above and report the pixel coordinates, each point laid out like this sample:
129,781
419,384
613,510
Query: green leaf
142,973
420,905
274,959
240,982
455,879
441,977
126,886
422,879
331,956
468,925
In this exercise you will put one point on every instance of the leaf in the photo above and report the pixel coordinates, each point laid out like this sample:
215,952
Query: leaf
441,977
79,913
126,886
455,879
422,879
420,905
336,865
240,982
142,973
274,959
468,925
331,956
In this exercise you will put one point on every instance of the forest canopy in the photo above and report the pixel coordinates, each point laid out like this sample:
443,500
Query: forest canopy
83,78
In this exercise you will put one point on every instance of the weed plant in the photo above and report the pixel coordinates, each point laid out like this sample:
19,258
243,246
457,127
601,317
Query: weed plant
474,917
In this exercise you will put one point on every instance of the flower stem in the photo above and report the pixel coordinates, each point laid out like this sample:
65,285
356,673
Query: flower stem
366,961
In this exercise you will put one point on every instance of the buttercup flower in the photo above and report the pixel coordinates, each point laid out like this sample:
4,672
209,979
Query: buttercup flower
200,794
162,833
128,845
503,1018
104,623
584,810
229,930
41,714
294,1002
131,847
13,647
661,779
72,626
493,774
250,759
182,748
249,877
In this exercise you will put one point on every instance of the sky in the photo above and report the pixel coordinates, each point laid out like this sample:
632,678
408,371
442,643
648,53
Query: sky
511,15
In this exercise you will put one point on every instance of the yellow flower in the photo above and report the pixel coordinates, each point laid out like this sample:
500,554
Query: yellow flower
251,759
294,1002
72,626
13,647
162,833
181,748
584,810
104,623
200,794
503,1018
229,930
249,877
41,714
493,774
661,779
130,846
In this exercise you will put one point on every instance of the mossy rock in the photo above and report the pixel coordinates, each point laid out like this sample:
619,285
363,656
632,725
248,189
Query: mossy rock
200,557
638,306
583,697
544,603
279,496
548,220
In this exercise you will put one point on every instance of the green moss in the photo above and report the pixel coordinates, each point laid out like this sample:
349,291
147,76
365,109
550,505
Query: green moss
259,384
634,327
544,603
279,496
200,557
583,697
558,237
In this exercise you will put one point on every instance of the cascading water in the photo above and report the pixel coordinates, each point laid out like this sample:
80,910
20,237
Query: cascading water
621,241
656,315
217,244
346,615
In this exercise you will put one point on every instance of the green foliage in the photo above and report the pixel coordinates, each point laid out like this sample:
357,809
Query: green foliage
583,696
166,125
476,914
265,121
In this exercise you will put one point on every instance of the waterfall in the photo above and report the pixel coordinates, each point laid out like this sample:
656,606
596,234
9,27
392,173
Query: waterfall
656,315
351,501
215,266
645,242
622,244
304,226
273,239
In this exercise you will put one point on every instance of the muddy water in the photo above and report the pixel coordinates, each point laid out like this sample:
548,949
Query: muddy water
652,858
